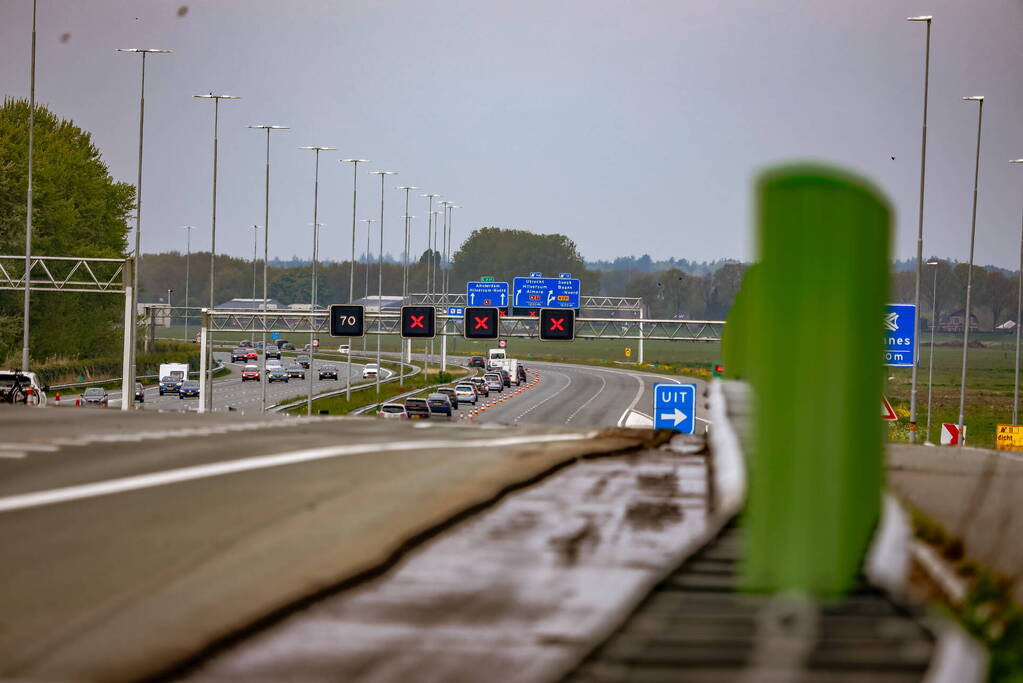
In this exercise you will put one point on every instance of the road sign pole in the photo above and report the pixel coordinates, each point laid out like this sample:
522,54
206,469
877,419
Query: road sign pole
444,351
204,360
129,332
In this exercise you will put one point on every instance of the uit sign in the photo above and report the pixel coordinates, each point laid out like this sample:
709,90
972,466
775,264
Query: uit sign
1009,437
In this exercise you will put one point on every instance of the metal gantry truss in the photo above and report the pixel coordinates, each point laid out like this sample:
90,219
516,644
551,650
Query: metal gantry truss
64,274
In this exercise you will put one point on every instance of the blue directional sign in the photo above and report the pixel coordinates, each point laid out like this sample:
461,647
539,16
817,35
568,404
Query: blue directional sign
486,294
899,335
545,292
275,335
675,407
456,310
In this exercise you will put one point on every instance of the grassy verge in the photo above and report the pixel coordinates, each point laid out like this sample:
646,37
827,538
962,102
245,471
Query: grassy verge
682,368
339,405
989,387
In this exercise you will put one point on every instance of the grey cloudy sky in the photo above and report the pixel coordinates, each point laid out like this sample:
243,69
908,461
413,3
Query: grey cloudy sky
631,127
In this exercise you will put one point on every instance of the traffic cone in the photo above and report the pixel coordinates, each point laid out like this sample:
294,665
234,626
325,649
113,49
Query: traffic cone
56,399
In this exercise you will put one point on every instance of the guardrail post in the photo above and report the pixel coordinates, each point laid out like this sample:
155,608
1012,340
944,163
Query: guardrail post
127,380
814,351
204,361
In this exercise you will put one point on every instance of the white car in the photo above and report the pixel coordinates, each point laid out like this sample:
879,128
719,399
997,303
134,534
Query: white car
344,349
466,393
370,370
392,411
271,364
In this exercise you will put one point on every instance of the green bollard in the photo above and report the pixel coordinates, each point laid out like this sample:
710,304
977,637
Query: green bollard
816,360
737,338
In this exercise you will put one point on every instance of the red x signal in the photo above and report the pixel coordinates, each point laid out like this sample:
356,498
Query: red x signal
481,323
557,324
417,321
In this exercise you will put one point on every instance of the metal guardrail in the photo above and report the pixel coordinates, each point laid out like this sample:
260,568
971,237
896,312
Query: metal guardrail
94,382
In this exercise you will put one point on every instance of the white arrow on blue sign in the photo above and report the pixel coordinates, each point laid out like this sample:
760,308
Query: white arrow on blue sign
899,335
675,407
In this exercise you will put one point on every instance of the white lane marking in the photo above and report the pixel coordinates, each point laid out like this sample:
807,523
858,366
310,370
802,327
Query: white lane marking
13,455
546,399
639,394
44,447
144,481
603,385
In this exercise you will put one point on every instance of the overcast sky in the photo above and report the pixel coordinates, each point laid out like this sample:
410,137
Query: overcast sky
632,127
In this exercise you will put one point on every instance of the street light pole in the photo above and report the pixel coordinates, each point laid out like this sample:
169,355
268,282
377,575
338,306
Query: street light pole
451,230
266,251
930,363
979,99
429,239
1019,314
919,237
380,271
255,245
369,230
138,205
28,200
208,398
444,206
312,307
188,257
404,274
351,272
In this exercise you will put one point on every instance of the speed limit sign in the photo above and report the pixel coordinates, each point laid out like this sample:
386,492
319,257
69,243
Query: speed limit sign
316,342
503,343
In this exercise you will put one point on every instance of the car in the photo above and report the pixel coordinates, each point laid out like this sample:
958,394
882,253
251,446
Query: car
450,393
392,411
276,374
505,377
286,346
250,372
440,403
417,408
95,396
522,374
303,360
370,370
252,354
477,362
494,381
140,393
296,371
272,351
275,363
169,385
245,344
239,355
344,349
189,389
328,372
466,393
481,386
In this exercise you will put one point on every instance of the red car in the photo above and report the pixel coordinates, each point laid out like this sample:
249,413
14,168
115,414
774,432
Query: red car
252,354
250,372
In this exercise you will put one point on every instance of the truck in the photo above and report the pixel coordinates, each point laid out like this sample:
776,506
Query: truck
177,371
498,358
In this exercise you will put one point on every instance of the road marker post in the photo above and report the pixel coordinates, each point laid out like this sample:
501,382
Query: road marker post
814,350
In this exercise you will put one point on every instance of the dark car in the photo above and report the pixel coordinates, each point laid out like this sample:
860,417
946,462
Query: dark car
272,351
276,374
94,396
189,389
328,372
296,371
505,377
140,393
169,385
522,374
245,343
452,396
238,355
417,408
477,362
303,361
440,403
286,346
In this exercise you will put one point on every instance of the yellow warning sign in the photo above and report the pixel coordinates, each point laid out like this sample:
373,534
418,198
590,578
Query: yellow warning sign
628,352
1009,438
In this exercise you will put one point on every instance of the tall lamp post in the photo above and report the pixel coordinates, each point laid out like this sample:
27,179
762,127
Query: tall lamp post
188,257
312,307
920,237
444,206
28,201
1019,315
351,271
255,245
369,231
930,363
450,231
429,238
380,271
405,344
138,202
266,253
979,99
207,398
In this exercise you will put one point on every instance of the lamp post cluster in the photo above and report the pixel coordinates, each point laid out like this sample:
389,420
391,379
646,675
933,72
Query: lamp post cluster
979,99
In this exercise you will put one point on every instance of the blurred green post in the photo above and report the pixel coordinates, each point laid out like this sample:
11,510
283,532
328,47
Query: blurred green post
813,341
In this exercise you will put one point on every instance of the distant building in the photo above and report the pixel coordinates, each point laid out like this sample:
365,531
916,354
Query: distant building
953,322
387,304
305,307
252,304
